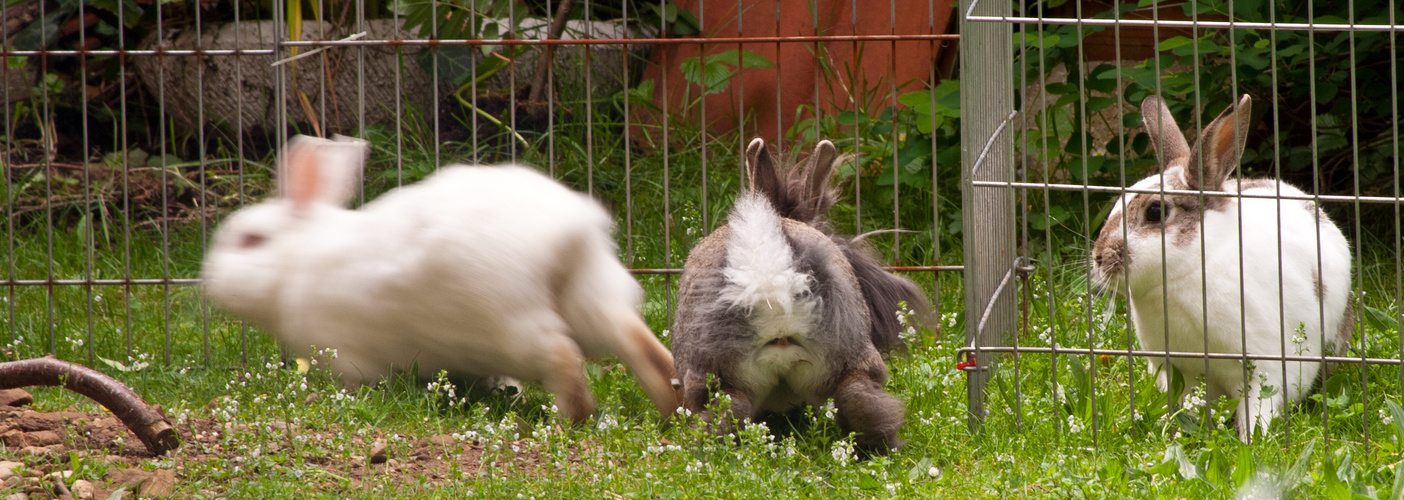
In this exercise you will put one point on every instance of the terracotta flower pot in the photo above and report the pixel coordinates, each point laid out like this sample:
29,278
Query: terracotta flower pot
827,76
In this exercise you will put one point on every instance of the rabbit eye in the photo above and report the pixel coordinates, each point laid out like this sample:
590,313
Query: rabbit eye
1155,212
251,240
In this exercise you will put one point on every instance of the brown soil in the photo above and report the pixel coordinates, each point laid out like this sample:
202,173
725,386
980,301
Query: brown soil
47,442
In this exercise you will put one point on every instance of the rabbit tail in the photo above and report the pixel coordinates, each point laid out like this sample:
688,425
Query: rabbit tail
760,263
804,193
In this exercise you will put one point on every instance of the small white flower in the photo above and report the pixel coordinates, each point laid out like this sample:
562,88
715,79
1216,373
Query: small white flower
842,452
606,422
1074,425
1195,399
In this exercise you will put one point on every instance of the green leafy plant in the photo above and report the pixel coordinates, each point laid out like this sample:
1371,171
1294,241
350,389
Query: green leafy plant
1331,91
494,20
714,72
462,20
704,76
909,147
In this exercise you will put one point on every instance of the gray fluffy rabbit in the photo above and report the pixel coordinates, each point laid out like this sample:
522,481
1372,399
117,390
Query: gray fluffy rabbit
782,313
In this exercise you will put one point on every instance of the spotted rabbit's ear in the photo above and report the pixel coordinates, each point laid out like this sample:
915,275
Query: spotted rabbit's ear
320,170
1220,146
760,166
1170,147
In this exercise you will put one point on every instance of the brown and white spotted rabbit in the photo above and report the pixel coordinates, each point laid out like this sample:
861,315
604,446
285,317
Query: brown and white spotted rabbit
1227,274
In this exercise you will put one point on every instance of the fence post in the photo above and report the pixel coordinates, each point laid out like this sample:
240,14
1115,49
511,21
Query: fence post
987,103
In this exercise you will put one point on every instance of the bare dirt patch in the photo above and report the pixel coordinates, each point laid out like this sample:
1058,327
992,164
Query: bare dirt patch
39,452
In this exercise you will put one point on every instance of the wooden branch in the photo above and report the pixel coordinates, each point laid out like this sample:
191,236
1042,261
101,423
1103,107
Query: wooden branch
543,63
148,424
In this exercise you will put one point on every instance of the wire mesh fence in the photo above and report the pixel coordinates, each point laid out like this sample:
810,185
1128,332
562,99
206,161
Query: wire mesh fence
1209,269
132,128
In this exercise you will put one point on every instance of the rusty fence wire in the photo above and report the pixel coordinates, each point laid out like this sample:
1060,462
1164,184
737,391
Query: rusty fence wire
131,130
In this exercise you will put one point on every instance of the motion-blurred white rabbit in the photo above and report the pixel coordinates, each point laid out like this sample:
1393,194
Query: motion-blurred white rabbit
479,271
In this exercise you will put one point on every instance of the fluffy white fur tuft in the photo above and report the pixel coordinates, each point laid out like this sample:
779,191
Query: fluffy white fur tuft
759,262
762,280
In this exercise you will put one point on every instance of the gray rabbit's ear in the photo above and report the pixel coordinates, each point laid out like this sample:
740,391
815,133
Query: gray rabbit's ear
819,168
1170,145
761,168
1220,146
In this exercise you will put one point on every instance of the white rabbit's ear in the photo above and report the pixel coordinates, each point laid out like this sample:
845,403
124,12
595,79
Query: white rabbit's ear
761,168
1165,137
819,168
355,143
321,170
1220,146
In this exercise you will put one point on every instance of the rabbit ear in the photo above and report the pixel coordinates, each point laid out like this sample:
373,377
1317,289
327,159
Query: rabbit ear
320,170
761,167
819,168
1220,146
356,144
1165,137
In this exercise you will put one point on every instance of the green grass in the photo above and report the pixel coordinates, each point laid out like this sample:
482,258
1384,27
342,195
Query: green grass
1059,427
626,450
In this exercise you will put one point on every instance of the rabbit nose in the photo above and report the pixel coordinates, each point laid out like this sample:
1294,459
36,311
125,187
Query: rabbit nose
1098,259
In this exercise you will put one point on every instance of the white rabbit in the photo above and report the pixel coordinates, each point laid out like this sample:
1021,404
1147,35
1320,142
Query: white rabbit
1283,288
479,271
782,313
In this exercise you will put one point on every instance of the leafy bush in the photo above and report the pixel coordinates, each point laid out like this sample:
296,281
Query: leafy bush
906,161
